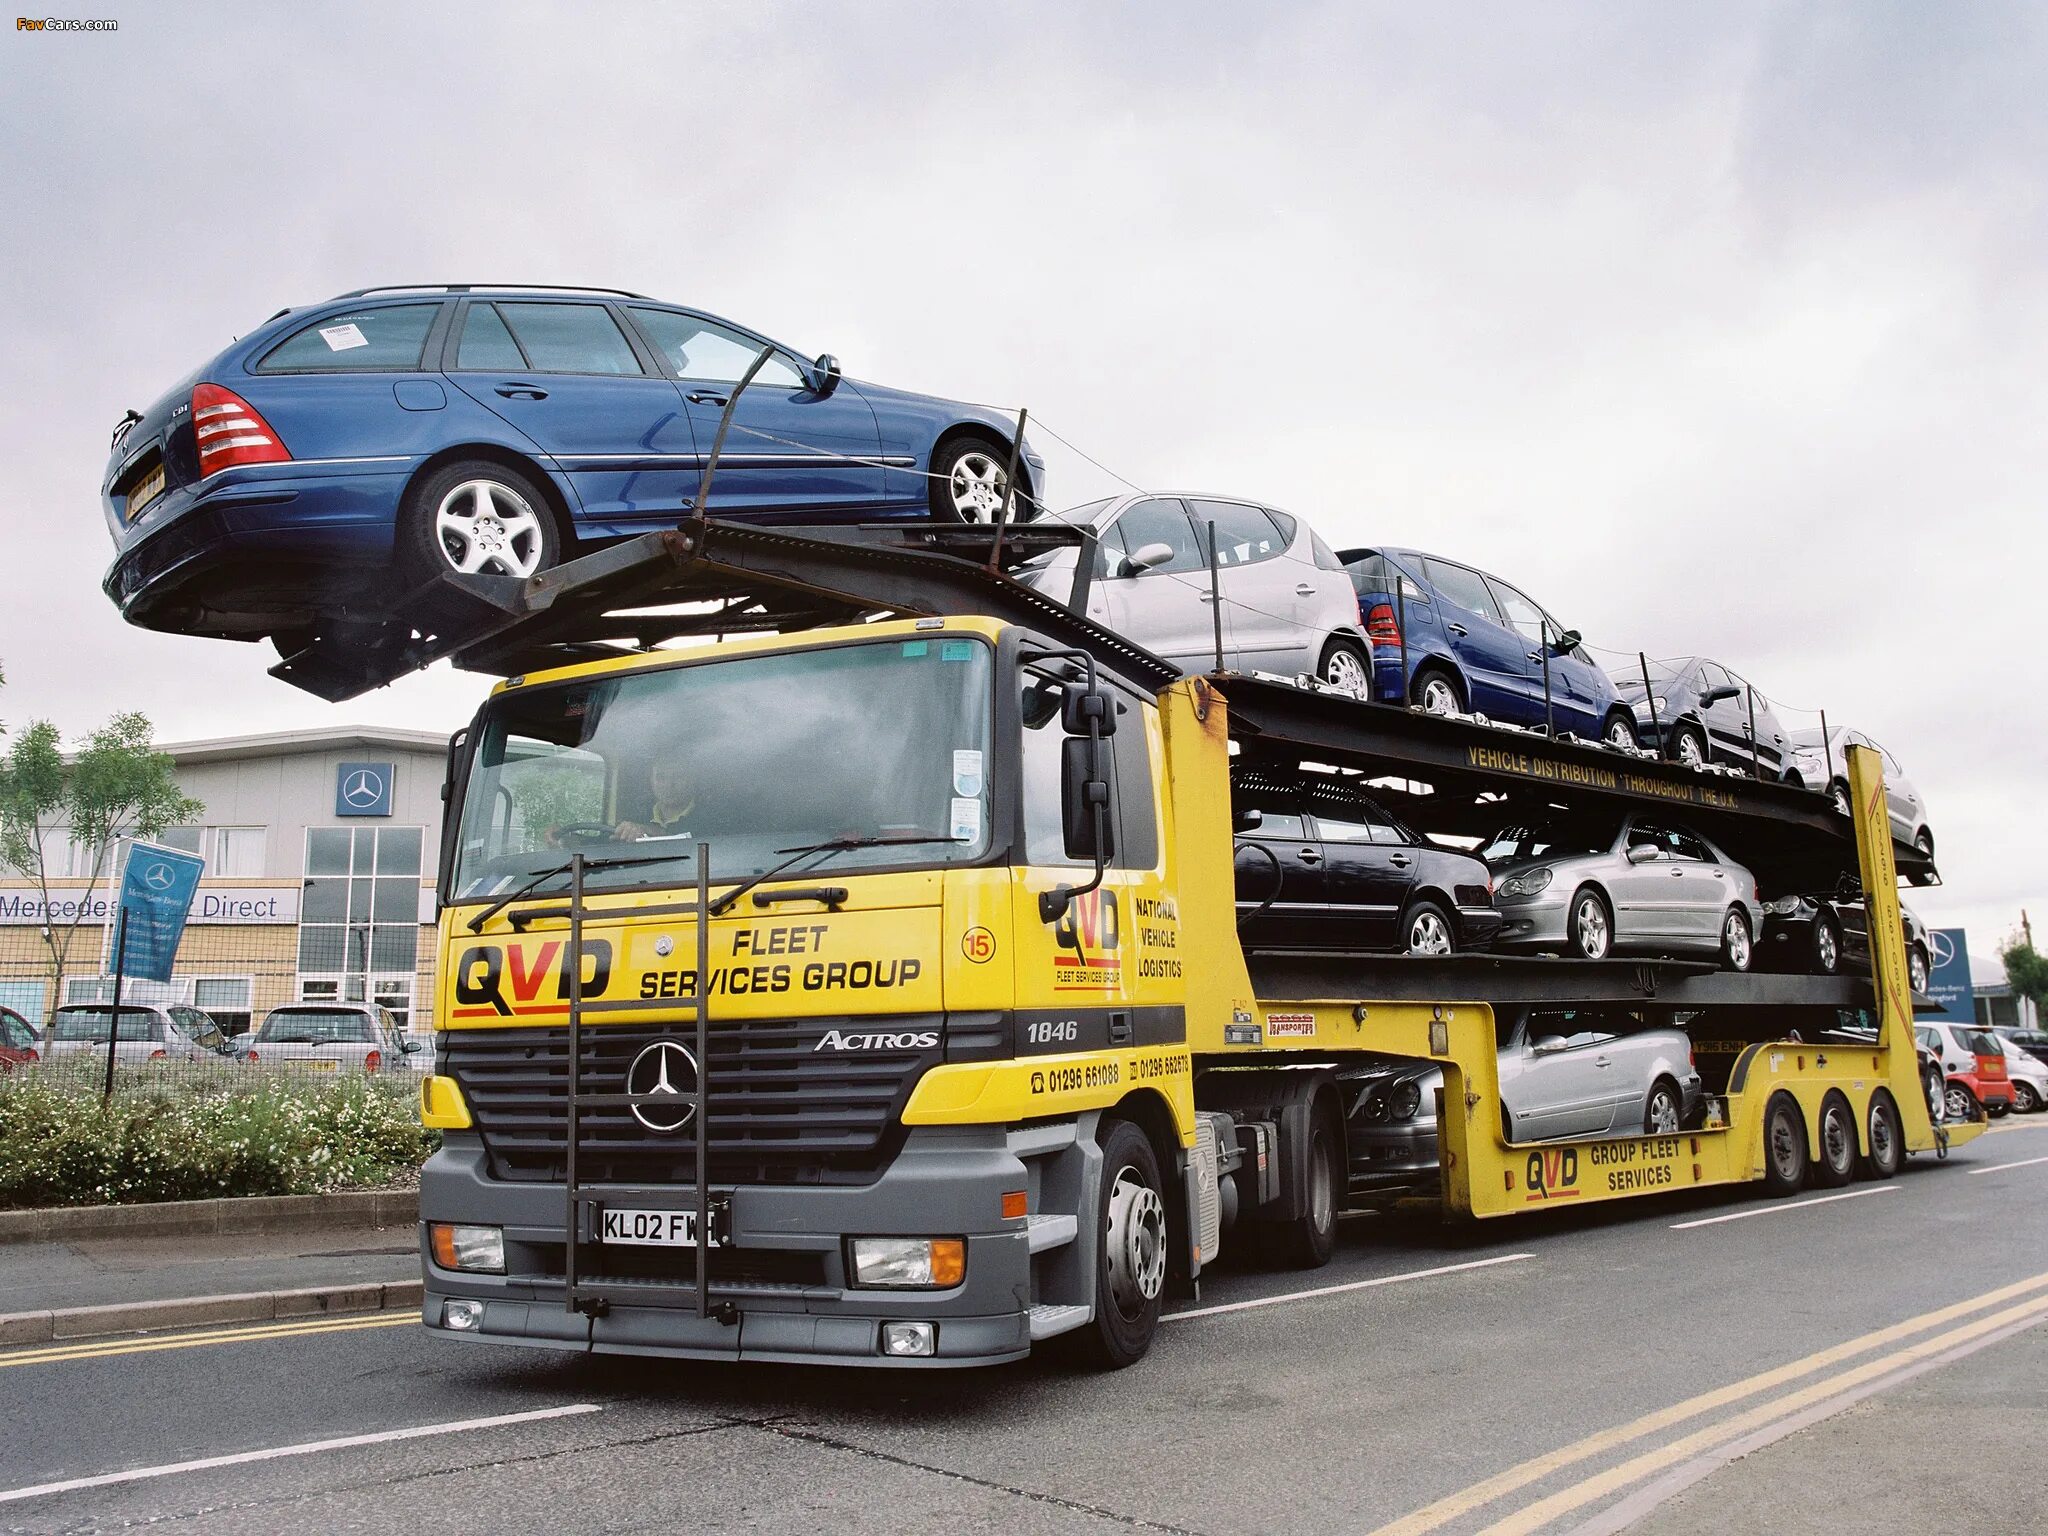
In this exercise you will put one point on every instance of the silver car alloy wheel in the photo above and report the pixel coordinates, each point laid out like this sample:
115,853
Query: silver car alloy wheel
1428,934
1589,927
1958,1102
1838,796
483,526
977,486
1689,750
2024,1100
1439,697
1663,1116
1916,974
1137,1243
1735,940
1619,734
1345,672
1826,950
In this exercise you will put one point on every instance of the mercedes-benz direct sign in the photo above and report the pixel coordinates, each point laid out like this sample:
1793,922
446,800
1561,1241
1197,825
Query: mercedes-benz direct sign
362,789
663,1069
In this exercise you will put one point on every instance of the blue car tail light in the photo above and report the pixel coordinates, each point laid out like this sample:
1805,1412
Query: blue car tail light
230,431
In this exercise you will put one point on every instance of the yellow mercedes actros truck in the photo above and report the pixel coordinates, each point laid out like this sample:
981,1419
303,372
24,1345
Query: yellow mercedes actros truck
872,993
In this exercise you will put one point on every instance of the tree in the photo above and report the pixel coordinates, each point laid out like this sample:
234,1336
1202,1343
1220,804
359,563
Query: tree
116,785
2026,968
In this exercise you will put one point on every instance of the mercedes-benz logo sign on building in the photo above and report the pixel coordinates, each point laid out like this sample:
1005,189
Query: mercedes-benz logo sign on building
665,1068
362,789
1943,948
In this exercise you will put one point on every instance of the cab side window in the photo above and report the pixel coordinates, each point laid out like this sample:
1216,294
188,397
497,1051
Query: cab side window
1136,817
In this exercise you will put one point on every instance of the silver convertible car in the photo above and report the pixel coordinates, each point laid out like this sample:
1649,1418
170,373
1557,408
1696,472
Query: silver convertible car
1563,1073
1594,886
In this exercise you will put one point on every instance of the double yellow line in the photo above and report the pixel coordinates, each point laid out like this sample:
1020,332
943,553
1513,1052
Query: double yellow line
100,1349
1533,1517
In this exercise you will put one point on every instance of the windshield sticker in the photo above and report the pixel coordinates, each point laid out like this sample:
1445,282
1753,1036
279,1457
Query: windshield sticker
956,650
966,819
967,771
343,338
917,648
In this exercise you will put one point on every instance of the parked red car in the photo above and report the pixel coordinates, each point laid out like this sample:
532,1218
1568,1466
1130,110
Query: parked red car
1974,1065
18,1042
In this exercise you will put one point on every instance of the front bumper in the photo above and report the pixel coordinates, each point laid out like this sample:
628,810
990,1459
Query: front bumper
1390,1157
784,1266
1535,923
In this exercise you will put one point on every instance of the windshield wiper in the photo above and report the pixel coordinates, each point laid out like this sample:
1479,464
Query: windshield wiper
831,845
620,861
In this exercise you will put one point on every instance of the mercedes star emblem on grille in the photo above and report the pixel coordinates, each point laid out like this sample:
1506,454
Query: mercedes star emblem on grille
664,1068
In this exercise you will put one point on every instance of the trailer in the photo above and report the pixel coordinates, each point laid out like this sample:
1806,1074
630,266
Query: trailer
904,1019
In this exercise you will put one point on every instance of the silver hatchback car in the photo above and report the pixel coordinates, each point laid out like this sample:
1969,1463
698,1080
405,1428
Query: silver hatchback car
1594,886
147,1033
1564,1073
1287,602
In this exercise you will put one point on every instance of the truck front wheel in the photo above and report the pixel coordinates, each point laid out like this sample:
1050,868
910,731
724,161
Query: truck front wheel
1130,1262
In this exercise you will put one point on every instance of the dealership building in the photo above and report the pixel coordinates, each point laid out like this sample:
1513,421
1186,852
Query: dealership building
320,850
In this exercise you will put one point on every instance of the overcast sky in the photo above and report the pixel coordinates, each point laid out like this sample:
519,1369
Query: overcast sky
1718,329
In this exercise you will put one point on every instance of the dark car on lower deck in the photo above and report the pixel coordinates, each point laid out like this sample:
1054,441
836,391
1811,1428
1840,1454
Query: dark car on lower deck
1322,865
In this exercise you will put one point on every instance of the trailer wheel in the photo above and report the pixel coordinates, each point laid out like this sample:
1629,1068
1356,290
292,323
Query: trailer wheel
1887,1137
1130,1263
1308,1241
1837,1165
1784,1146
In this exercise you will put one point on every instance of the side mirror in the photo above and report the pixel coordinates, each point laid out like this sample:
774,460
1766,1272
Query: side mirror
1643,853
1247,821
1712,696
1079,705
412,1047
1145,557
1083,787
1546,1045
824,374
1566,643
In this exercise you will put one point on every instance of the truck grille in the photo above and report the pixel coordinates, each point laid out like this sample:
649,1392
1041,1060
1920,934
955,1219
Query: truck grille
782,1106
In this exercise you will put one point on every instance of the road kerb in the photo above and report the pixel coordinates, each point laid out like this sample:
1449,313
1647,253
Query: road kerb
65,1323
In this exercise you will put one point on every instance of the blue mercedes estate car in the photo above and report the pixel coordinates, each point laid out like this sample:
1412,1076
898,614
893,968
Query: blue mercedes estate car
1475,645
342,453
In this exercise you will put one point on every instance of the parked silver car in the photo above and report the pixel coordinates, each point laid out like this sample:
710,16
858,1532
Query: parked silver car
1822,764
332,1037
1288,606
147,1033
1600,885
1564,1073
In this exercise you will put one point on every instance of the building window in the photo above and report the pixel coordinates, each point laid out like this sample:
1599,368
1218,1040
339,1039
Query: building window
359,915
185,839
237,853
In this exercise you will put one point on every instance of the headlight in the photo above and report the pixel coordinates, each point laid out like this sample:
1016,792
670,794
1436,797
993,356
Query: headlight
1784,906
909,1263
481,1250
1657,704
1527,884
1407,1100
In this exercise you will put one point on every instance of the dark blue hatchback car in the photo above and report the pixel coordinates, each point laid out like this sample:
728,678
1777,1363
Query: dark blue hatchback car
343,452
1475,645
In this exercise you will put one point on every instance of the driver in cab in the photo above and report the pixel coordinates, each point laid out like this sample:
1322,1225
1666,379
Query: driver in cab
674,801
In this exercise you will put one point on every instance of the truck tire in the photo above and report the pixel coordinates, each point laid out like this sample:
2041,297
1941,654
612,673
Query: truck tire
1887,1135
1130,1251
1837,1163
1308,1241
1784,1146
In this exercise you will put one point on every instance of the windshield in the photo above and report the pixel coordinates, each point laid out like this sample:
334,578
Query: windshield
886,739
91,1024
313,1026
1556,839
1628,681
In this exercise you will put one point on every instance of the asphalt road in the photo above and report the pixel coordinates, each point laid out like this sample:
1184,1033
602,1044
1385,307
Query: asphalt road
1641,1367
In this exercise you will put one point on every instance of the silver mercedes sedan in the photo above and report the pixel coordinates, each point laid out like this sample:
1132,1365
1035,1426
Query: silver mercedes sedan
1600,885
1564,1073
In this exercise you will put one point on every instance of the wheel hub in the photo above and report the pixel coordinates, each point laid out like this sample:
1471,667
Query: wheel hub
1136,1244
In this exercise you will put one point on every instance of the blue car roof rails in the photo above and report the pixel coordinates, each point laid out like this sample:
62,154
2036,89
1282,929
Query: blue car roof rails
358,293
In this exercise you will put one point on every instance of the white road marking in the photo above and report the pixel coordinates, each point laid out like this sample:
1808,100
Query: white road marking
309,1448
2025,1162
1784,1205
1338,1290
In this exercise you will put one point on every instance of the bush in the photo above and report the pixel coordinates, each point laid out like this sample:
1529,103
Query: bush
198,1139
